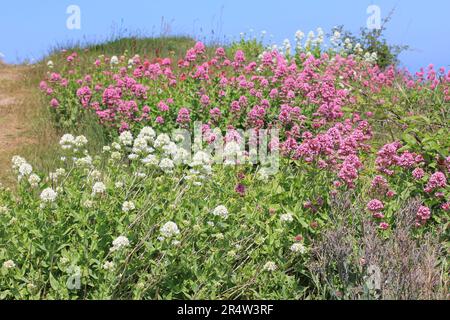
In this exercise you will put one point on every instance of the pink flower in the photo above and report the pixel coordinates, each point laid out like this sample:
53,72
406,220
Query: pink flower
183,116
424,213
375,205
159,120
418,173
384,226
204,100
446,206
54,103
220,52
378,215
391,194
437,180
379,182
240,189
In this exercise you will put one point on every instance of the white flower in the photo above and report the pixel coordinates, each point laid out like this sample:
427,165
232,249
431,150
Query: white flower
166,165
64,260
298,248
126,138
128,206
88,204
148,133
96,175
116,146
50,64
335,39
80,141
263,174
116,155
170,229
98,188
162,140
299,35
114,60
34,180
270,266
106,149
141,175
119,184
48,195
108,265
140,145
17,162
181,155
221,211
150,160
286,217
120,243
9,264
25,169
60,172
133,156
67,141
4,210
84,162
200,158
233,153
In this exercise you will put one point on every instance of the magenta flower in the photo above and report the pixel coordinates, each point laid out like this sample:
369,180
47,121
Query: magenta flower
424,213
183,116
384,226
240,189
437,180
375,205
418,173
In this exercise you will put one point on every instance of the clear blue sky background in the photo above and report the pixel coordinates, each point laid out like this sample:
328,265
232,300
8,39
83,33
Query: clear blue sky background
28,29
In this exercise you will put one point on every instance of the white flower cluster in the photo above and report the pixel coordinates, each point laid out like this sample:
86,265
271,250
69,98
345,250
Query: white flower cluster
270,266
233,154
200,167
68,142
371,57
126,138
166,165
287,217
48,196
221,211
109,266
98,188
298,248
84,161
114,60
128,206
22,167
9,264
120,243
4,210
143,147
169,230
336,39
54,176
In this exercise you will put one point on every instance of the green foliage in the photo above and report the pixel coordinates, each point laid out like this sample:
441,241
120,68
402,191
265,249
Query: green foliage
373,40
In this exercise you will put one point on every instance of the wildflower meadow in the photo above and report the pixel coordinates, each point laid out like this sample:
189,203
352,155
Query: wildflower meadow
242,171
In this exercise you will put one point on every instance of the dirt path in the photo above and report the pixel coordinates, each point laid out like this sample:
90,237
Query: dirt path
16,99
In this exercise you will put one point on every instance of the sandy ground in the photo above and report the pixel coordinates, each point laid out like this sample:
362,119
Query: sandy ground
13,103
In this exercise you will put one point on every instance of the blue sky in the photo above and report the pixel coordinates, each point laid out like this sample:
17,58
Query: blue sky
30,28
